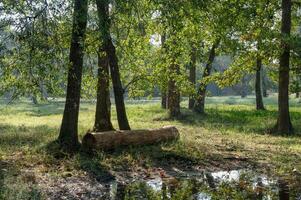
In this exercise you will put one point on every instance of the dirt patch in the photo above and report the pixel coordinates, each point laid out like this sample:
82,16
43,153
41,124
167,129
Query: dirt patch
71,187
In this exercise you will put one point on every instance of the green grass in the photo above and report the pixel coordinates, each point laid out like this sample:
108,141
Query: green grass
231,135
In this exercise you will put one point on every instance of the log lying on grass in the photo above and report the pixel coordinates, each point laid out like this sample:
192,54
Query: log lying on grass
114,139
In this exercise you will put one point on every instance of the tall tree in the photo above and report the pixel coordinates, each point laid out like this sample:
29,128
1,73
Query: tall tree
174,26
284,125
199,106
103,104
192,76
69,128
163,99
173,102
264,84
163,92
104,19
258,91
173,91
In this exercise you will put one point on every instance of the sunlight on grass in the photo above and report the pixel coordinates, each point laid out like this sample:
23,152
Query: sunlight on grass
231,129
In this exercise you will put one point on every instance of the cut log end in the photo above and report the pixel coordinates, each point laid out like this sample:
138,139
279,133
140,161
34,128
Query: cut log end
114,139
89,140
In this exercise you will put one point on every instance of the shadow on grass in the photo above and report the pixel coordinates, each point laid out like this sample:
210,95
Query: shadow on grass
3,168
16,137
168,156
25,107
92,165
39,110
175,158
47,109
240,120
15,184
50,109
86,161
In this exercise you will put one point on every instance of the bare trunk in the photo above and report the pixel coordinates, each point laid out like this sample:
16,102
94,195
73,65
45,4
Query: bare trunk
69,130
163,100
118,89
34,99
243,91
192,77
259,100
103,104
164,94
173,102
9,96
103,13
264,84
199,106
284,125
43,91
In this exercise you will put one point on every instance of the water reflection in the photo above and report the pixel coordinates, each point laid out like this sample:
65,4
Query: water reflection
236,184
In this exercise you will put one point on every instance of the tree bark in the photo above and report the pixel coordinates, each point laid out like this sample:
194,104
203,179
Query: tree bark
264,85
34,99
192,77
118,89
164,97
173,92
284,125
103,14
43,91
298,85
163,100
115,139
103,104
199,106
258,92
173,96
243,90
69,131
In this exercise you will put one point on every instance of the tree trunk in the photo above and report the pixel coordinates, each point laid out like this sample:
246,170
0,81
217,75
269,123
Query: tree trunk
115,139
284,125
164,97
118,89
34,99
243,91
264,89
163,100
103,104
192,77
173,96
103,14
199,106
43,91
259,100
69,130
264,84
297,85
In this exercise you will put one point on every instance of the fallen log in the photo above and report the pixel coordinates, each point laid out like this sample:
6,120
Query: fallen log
112,139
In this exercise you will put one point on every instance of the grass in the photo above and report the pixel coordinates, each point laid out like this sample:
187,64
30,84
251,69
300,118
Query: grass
231,135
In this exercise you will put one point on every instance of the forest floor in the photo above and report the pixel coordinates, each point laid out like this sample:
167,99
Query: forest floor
232,135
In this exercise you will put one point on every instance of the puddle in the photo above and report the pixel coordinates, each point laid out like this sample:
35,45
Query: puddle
236,184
